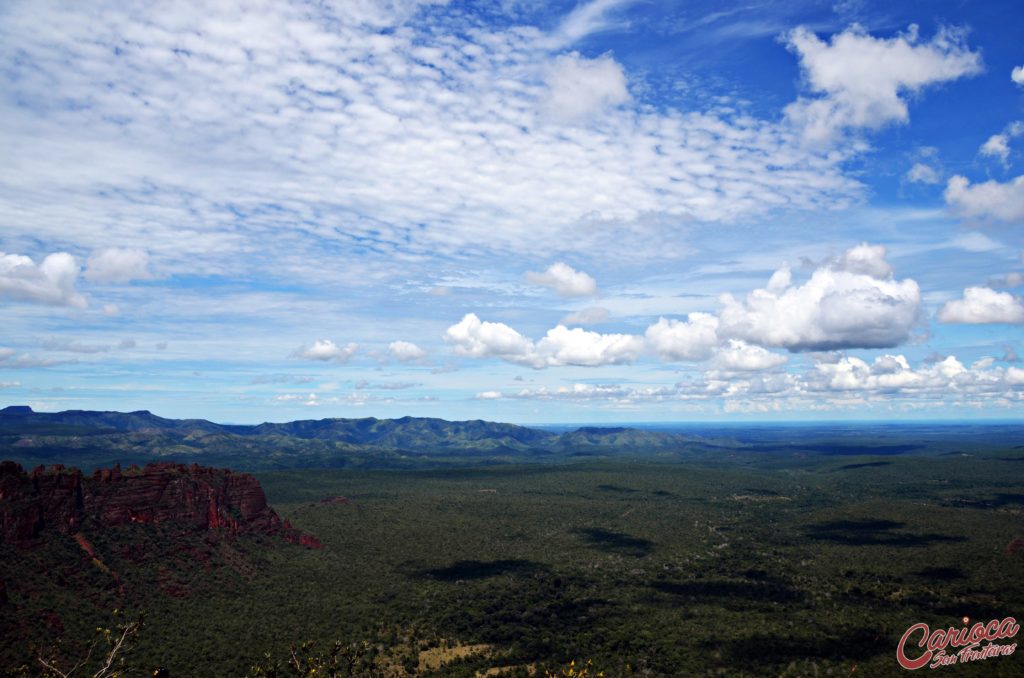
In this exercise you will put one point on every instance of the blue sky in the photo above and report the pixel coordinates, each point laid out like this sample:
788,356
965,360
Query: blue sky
515,210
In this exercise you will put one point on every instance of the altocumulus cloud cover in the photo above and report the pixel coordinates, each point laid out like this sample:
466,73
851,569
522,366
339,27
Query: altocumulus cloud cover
592,211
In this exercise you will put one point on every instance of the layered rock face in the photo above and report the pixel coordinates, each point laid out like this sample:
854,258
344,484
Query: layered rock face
194,497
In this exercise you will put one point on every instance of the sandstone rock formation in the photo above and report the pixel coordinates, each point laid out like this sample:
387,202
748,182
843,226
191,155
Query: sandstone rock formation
194,497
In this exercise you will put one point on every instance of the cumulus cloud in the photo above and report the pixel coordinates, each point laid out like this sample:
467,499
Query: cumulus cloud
998,145
988,200
921,173
325,350
863,81
564,280
117,265
592,315
981,305
51,282
692,339
560,346
579,88
739,356
475,338
850,303
866,259
842,381
405,351
1017,75
564,346
488,395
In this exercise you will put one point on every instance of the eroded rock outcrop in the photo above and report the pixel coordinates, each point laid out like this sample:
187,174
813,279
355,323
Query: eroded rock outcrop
195,497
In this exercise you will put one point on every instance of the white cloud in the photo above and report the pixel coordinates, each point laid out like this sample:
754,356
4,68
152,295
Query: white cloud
850,303
51,282
488,395
739,356
564,346
842,382
565,280
1017,75
867,260
579,88
974,241
405,351
214,131
998,145
585,19
692,339
921,173
592,315
988,200
309,399
983,305
474,338
117,265
560,346
864,81
325,349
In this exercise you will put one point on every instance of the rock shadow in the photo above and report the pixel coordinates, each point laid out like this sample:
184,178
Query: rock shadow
617,543
874,532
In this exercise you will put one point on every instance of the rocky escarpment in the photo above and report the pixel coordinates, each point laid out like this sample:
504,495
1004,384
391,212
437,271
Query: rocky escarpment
193,497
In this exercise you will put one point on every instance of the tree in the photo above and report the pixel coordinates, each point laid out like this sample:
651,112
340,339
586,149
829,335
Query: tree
106,657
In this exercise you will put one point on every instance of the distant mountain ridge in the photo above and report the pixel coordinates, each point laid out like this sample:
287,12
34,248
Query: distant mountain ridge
70,436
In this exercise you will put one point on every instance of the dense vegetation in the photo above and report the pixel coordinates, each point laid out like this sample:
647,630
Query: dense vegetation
795,562
96,439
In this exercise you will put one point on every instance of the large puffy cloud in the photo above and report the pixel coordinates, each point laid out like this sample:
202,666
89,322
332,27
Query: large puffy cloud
988,200
863,81
51,282
981,305
325,350
560,346
853,301
692,339
850,303
118,265
563,346
565,280
475,338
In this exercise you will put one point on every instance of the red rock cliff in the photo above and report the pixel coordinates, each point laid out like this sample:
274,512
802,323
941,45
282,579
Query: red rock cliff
195,497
